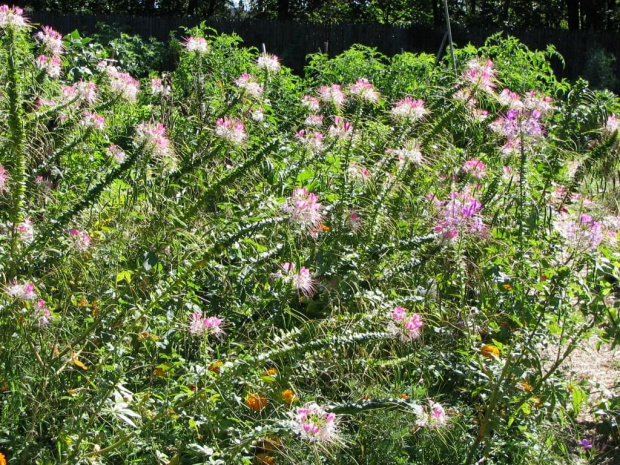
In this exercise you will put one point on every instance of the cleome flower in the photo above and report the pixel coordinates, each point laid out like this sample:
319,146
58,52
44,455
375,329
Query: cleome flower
153,137
51,40
81,239
480,74
460,215
42,314
3,180
196,44
231,130
304,209
21,291
311,103
205,326
51,65
270,63
249,85
409,109
12,17
312,140
301,281
364,91
116,153
404,325
433,416
313,423
332,94
475,168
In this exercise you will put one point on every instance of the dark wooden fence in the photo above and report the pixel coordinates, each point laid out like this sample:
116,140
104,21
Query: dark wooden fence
293,41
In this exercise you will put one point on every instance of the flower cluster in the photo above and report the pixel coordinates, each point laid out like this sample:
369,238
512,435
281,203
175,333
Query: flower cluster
51,40
475,168
256,402
409,109
25,231
122,84
410,152
12,17
301,281
583,232
311,140
313,121
153,136
270,63
42,314
82,92
480,74
364,90
204,326
433,416
196,44
249,85
311,103
158,87
92,120
341,128
404,325
332,94
80,239
116,153
21,291
313,423
231,130
304,209
460,215
50,65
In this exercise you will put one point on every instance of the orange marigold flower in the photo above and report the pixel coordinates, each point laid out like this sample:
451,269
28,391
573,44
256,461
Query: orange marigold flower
263,459
507,286
324,227
216,367
270,372
289,396
256,402
524,385
490,351
404,396
2,459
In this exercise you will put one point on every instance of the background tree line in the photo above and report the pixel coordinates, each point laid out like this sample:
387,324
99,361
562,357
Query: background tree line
521,14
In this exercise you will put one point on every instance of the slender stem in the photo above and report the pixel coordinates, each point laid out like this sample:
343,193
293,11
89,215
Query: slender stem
449,30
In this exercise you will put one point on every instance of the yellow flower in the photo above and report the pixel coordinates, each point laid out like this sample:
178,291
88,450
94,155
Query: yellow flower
79,364
256,402
523,385
289,396
2,459
490,351
270,372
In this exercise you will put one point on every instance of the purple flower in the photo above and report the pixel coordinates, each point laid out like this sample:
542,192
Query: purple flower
585,444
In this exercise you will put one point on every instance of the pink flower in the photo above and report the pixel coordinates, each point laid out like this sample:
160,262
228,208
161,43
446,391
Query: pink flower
231,130
475,168
196,44
583,232
51,65
93,121
82,91
201,326
116,153
81,239
12,17
332,94
314,121
301,281
3,180
611,125
304,209
354,221
270,63
123,84
51,40
405,326
311,140
153,137
409,109
42,314
311,103
409,153
21,291
434,416
359,173
341,128
364,90
510,99
249,85
460,215
25,231
313,423
535,101
158,87
480,74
